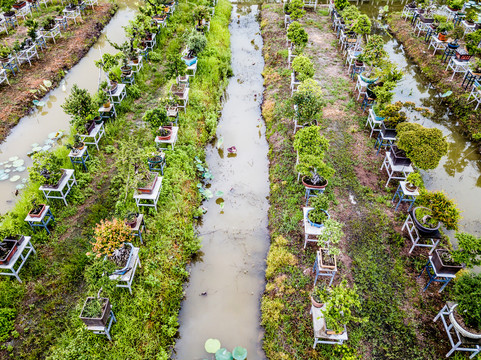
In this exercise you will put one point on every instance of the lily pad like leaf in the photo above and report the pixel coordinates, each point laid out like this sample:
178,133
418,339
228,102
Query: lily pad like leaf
47,83
219,193
447,93
198,160
212,345
15,178
220,141
38,103
223,354
239,353
207,193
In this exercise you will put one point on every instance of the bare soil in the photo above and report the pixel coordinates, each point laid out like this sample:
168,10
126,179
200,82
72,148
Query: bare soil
16,99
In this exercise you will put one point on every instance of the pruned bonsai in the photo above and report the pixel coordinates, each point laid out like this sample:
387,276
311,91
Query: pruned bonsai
318,214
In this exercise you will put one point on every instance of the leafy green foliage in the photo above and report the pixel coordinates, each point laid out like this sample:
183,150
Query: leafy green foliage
297,35
374,53
309,100
302,65
472,41
79,105
443,209
350,14
467,291
296,7
279,257
320,203
7,317
455,4
156,117
362,25
196,42
341,4
415,179
393,116
469,250
331,236
46,168
424,146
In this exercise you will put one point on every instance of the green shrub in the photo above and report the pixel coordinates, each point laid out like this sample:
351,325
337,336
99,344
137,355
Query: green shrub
7,317
309,100
79,105
362,25
278,257
303,66
443,209
469,250
196,42
467,292
296,7
472,41
424,146
297,35
320,203
46,168
156,117
341,4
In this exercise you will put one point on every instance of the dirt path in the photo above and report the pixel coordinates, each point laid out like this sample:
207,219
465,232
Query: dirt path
16,100
374,254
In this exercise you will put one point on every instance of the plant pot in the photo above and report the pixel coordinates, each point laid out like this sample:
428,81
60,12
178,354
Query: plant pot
107,104
370,93
359,63
440,266
126,70
90,126
453,45
189,60
135,60
113,87
156,160
132,223
102,319
327,261
462,55
388,132
130,248
37,214
64,174
459,324
313,223
424,230
316,304
9,14
11,247
425,19
166,137
410,187
367,79
443,36
98,120
19,5
149,188
172,111
306,181
399,157
178,90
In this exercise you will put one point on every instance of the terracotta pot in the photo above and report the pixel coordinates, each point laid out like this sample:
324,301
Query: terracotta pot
309,186
13,245
315,303
31,214
442,37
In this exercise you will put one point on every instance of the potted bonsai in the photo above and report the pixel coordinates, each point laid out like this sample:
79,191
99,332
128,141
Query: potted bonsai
374,55
146,181
201,15
424,146
414,181
48,23
319,295
341,4
339,308
434,208
466,315
8,247
76,145
297,36
328,241
37,209
393,116
303,68
311,147
471,16
196,42
318,215
296,9
472,41
80,106
467,254
130,219
112,242
309,101
476,67
157,118
455,5
5,52
46,169
156,159
7,8
443,29
362,25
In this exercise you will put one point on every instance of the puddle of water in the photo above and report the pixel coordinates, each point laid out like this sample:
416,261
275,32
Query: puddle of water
459,172
35,128
235,240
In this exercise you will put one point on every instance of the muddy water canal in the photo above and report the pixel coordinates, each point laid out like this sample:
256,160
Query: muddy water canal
226,283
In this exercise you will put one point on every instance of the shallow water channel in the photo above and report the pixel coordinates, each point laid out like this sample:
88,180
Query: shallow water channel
223,295
35,128
459,172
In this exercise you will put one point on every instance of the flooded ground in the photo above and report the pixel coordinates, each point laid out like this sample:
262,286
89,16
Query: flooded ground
224,292
49,119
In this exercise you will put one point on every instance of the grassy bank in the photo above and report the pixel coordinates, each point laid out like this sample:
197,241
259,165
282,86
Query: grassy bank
49,301
398,314
435,71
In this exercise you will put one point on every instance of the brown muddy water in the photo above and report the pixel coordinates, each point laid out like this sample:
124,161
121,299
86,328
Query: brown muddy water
459,172
222,299
49,119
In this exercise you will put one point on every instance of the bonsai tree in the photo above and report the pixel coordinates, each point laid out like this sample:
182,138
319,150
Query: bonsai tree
472,41
362,25
476,66
196,42
286,7
76,144
109,236
350,14
311,147
309,101
46,168
80,106
331,236
415,180
455,4
424,146
5,51
318,215
374,54
341,4
441,209
393,116
175,66
471,15
298,36
201,13
32,26
467,292
303,67
320,294
48,23
445,26
296,8
468,251
342,302
7,7
156,118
